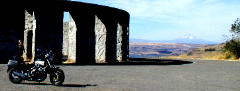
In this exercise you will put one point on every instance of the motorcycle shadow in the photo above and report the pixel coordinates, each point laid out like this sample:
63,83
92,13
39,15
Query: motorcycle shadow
77,85
63,85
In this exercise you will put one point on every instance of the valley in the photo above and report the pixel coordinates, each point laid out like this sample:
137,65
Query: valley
156,50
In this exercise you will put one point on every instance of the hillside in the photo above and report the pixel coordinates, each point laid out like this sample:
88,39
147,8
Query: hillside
179,51
178,40
208,52
156,50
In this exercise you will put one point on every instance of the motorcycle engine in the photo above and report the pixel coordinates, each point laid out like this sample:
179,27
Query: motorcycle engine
38,70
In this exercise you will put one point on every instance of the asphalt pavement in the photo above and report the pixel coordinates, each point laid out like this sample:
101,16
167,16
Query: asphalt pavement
187,75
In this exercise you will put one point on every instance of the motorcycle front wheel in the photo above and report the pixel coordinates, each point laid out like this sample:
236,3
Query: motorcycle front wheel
14,78
57,77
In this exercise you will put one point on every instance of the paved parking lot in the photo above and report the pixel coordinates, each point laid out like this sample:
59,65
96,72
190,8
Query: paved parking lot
196,76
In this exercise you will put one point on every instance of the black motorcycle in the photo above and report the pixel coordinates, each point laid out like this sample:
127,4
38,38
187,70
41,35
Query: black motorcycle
37,71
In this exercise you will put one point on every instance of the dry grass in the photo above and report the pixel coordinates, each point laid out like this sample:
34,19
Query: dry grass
206,56
214,52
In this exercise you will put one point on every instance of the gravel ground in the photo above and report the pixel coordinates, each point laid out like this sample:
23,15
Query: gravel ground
197,76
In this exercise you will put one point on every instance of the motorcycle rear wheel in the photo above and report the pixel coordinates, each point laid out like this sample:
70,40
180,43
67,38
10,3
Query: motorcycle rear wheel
14,78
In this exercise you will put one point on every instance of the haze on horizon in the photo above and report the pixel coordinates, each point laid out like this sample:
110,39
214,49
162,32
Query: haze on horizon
172,19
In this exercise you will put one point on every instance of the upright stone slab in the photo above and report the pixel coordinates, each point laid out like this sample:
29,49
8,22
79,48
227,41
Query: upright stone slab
72,41
69,40
111,41
124,22
49,31
29,34
125,43
85,35
100,33
33,37
119,43
65,38
28,26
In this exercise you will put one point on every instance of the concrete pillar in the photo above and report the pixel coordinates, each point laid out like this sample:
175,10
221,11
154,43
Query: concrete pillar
125,43
65,39
111,42
69,40
100,33
33,37
110,20
29,34
85,36
49,31
72,40
124,22
119,43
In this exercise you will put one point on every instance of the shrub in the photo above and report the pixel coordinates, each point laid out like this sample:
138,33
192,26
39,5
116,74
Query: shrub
233,47
210,49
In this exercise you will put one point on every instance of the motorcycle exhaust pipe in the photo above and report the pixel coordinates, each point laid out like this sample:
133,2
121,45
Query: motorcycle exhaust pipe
20,74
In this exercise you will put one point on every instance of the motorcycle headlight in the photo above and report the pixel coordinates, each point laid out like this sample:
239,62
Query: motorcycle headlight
46,55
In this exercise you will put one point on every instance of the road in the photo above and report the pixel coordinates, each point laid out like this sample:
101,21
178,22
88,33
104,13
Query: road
196,76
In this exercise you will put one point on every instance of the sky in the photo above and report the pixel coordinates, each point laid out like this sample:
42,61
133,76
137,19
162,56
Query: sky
171,19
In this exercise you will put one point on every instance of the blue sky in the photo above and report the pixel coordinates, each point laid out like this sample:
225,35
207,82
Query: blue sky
170,19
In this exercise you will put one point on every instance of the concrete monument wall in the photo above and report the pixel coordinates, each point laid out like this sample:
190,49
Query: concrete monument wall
94,34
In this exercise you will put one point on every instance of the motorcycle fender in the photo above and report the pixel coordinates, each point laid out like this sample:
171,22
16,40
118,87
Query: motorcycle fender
9,68
52,70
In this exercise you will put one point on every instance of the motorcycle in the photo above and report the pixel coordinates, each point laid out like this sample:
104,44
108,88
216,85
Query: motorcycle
37,71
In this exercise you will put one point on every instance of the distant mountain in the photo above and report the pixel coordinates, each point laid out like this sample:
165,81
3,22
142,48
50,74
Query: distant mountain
142,41
179,40
190,41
